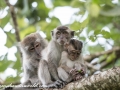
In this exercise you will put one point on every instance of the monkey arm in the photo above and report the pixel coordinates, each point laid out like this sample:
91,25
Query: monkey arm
81,68
27,74
66,68
53,70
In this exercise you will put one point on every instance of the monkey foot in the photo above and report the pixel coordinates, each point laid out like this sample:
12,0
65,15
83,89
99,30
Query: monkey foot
56,84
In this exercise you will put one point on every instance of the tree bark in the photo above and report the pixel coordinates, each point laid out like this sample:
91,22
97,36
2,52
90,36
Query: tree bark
107,80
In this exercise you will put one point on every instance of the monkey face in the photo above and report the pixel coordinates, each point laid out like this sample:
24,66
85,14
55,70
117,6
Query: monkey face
73,47
35,50
32,46
73,54
62,37
62,34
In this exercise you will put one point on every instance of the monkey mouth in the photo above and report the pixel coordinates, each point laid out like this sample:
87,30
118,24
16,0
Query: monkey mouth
62,42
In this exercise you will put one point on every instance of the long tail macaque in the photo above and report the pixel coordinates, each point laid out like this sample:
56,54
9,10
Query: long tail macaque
72,66
31,47
47,71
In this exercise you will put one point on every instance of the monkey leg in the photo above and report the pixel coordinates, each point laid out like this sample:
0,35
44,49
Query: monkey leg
35,81
28,82
43,73
45,77
53,70
64,75
54,74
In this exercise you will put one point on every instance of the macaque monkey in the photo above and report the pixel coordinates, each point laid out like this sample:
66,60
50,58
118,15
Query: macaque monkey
72,66
31,47
47,71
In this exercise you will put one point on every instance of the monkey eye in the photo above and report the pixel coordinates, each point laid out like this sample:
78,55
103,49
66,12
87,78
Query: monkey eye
31,49
37,45
65,32
58,33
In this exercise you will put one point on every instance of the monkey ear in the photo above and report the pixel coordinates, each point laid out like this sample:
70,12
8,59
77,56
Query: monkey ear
72,33
52,33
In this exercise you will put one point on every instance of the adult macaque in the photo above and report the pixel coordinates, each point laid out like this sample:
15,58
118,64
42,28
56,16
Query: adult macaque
47,71
72,66
31,47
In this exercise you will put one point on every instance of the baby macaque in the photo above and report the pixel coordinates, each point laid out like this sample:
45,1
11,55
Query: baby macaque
72,66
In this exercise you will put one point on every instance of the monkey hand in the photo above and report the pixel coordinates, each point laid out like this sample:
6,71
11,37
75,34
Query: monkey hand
78,77
73,72
81,71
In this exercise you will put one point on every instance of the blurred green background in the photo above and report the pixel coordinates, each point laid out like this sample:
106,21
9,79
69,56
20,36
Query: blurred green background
96,22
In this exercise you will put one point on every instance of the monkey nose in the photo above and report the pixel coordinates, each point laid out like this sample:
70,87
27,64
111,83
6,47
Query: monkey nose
38,54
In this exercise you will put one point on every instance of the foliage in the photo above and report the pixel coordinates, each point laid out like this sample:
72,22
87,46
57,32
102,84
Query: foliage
95,20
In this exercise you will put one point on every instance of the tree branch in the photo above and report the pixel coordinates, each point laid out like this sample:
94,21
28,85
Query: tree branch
13,15
89,58
107,80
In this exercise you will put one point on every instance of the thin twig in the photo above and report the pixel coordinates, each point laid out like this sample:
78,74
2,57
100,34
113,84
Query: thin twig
90,57
13,15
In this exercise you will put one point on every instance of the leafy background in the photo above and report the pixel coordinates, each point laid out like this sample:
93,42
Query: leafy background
96,22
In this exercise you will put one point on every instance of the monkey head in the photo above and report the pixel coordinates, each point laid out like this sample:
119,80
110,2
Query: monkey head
62,34
73,48
32,45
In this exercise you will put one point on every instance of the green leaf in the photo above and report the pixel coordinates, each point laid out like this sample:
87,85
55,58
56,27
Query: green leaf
84,23
17,64
4,64
112,12
79,25
61,2
75,26
27,30
77,3
4,21
102,58
94,49
11,79
10,39
115,36
111,57
94,10
96,32
117,62
48,27
92,38
22,22
105,34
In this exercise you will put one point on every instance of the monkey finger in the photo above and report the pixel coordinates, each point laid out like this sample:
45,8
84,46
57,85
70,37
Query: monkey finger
75,73
72,71
78,77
